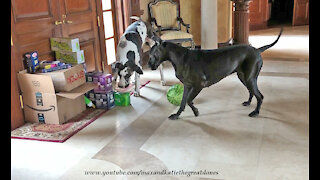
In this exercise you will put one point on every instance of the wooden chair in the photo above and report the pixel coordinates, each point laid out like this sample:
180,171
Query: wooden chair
166,21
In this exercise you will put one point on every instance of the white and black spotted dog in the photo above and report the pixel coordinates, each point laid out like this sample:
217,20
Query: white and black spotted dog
129,54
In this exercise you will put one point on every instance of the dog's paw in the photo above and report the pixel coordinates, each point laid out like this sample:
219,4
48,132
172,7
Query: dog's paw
247,103
173,116
254,114
136,94
195,112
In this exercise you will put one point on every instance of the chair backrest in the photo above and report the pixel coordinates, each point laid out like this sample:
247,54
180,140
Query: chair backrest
165,12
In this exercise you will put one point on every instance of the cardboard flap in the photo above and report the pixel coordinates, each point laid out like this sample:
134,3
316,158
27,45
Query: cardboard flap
35,83
67,79
73,94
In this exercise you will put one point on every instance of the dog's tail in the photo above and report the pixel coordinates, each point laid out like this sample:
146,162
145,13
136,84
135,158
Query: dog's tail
263,48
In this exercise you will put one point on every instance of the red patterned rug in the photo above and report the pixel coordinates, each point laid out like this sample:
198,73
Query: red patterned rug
57,133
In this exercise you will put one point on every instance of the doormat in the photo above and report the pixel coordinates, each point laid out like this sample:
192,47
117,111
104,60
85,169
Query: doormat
59,133
55,132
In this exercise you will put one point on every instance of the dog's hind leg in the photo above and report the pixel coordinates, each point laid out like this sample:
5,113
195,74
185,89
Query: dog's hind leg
253,88
186,93
242,79
247,103
194,93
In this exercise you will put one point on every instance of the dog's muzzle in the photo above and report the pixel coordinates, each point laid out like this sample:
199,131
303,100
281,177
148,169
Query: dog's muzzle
152,64
123,86
153,68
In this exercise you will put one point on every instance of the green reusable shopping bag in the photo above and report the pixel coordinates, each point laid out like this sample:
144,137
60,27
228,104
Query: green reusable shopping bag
122,98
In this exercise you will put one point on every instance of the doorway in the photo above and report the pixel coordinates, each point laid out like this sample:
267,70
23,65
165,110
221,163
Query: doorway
114,16
265,14
281,12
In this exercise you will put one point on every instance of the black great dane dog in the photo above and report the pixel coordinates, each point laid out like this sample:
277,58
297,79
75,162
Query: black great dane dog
198,69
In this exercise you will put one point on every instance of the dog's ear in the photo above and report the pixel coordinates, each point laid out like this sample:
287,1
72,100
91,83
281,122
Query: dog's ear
156,38
150,30
153,34
137,69
118,65
164,44
134,67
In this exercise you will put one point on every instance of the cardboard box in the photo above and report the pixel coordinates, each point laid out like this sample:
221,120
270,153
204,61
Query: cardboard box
103,89
110,99
96,76
70,57
89,76
67,79
104,101
101,100
43,104
65,44
104,81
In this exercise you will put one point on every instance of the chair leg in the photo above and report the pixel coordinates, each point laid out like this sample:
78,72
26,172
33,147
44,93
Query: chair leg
192,44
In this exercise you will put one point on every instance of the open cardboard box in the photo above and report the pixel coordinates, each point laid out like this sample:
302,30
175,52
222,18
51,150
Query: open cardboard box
43,104
67,79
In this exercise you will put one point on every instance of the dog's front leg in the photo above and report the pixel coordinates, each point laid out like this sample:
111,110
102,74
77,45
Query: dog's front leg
186,93
137,84
114,81
163,83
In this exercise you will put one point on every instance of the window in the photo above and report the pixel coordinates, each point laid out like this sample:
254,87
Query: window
109,30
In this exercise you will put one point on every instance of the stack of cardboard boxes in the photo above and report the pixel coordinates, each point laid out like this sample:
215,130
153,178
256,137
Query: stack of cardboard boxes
102,95
54,97
67,50
58,96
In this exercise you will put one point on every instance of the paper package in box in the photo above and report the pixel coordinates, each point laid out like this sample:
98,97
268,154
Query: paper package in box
70,57
65,44
43,104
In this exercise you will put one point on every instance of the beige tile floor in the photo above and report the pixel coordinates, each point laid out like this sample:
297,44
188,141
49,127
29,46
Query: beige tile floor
222,139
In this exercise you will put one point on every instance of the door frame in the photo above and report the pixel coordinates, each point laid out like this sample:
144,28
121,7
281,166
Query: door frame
295,6
115,14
